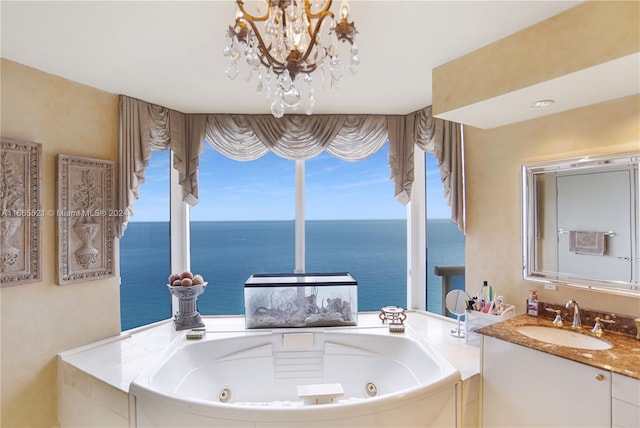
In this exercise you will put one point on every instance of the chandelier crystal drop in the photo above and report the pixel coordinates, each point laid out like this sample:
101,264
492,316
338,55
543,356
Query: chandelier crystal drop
284,41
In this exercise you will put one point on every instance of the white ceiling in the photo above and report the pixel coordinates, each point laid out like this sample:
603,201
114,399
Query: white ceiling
170,52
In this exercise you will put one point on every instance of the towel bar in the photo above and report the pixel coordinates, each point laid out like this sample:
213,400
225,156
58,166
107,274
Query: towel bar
609,233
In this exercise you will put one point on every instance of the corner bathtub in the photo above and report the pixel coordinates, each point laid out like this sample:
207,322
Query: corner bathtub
248,379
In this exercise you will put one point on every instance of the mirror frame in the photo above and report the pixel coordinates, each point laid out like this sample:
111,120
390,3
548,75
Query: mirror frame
530,221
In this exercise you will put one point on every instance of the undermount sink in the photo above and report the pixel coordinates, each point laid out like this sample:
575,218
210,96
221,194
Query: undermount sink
562,337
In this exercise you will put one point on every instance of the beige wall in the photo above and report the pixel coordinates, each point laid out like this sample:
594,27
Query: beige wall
41,319
493,159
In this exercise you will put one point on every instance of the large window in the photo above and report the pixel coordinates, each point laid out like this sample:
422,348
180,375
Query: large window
245,223
445,243
354,225
144,250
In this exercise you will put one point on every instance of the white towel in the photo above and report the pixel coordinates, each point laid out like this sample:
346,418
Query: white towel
584,242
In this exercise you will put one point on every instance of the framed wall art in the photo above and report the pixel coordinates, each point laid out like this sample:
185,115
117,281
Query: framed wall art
20,212
85,219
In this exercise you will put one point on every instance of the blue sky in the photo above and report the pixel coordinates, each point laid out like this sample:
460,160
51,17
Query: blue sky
264,189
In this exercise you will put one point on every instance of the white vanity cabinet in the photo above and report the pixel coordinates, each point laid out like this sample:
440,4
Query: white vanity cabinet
626,402
523,387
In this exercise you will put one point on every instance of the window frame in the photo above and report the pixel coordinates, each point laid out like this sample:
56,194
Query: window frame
416,231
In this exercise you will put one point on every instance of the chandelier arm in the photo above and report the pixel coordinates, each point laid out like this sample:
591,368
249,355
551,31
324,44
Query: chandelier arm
307,9
314,38
249,16
309,69
264,51
321,15
266,59
277,66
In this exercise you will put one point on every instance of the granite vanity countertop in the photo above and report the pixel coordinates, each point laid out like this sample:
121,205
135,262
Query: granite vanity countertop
623,357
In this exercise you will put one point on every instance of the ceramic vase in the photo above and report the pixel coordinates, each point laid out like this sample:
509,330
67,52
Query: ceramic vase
187,316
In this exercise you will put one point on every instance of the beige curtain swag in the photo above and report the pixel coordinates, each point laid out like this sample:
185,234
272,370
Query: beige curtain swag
145,127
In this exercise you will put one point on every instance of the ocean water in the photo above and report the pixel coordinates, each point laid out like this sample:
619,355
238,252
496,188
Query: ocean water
227,253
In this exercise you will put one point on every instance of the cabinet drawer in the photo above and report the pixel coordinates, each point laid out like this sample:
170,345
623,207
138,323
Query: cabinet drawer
625,415
625,389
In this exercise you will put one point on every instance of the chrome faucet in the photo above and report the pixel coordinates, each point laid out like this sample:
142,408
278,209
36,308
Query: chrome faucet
572,304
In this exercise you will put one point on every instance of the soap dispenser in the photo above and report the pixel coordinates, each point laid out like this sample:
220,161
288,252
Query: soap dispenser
532,303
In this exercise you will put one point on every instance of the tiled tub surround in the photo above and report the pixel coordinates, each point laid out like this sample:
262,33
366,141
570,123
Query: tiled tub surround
94,380
623,357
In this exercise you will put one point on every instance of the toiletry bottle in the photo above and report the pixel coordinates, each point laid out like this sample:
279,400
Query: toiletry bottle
532,304
485,291
499,305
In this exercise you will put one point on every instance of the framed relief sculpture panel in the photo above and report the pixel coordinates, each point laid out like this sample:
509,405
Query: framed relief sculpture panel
20,212
85,219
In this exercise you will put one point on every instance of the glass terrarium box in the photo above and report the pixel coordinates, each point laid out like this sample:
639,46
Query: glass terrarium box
301,300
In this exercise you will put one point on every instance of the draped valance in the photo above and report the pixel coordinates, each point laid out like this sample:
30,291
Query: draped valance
145,127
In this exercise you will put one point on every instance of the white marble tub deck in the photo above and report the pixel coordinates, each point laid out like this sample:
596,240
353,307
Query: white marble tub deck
118,360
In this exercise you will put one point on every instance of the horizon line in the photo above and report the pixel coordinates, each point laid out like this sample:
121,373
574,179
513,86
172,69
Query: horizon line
274,220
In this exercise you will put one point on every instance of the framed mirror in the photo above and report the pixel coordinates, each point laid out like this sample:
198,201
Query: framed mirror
580,222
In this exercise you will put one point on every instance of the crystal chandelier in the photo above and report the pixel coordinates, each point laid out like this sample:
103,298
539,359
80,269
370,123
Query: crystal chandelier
284,42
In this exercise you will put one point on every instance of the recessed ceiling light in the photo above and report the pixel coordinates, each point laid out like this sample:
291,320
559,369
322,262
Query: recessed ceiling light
541,103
